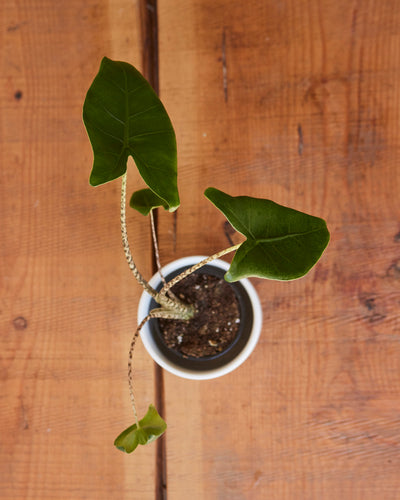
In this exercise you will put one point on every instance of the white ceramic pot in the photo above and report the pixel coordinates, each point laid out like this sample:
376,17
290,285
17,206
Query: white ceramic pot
200,368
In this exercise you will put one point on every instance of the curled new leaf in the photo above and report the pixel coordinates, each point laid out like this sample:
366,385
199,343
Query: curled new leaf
124,117
150,428
281,243
145,200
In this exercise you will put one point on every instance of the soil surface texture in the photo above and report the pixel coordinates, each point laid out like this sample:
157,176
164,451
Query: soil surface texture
215,324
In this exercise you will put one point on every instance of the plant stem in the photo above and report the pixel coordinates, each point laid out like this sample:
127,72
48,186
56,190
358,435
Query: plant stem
155,245
157,254
125,243
194,268
130,369
155,313
168,303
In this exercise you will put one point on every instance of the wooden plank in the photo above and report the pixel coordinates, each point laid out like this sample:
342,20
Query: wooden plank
67,298
296,101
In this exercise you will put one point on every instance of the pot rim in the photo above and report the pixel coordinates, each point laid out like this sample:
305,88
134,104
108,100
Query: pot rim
160,358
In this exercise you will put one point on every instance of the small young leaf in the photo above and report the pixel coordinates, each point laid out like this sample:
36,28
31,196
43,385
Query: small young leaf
123,116
145,200
151,426
281,244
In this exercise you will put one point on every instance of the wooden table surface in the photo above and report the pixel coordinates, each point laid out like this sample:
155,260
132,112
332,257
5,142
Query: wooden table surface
293,100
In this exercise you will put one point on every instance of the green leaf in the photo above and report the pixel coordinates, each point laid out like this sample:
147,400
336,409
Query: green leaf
150,428
124,117
281,243
145,200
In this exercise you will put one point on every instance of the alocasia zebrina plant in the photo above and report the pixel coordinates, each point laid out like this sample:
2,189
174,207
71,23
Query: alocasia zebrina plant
124,117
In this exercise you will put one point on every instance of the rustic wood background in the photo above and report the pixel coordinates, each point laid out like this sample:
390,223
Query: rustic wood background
293,100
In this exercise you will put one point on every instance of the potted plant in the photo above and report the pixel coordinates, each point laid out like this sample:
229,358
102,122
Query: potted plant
124,117
221,335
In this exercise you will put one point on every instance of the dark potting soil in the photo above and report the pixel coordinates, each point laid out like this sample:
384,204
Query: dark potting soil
216,321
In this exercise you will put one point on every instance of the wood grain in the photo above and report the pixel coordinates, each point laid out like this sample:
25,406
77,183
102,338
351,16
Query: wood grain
68,302
296,101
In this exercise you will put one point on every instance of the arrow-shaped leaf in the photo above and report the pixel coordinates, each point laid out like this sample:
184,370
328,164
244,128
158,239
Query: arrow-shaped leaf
281,243
123,116
150,428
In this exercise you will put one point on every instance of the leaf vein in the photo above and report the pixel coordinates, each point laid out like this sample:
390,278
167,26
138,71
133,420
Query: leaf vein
92,125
